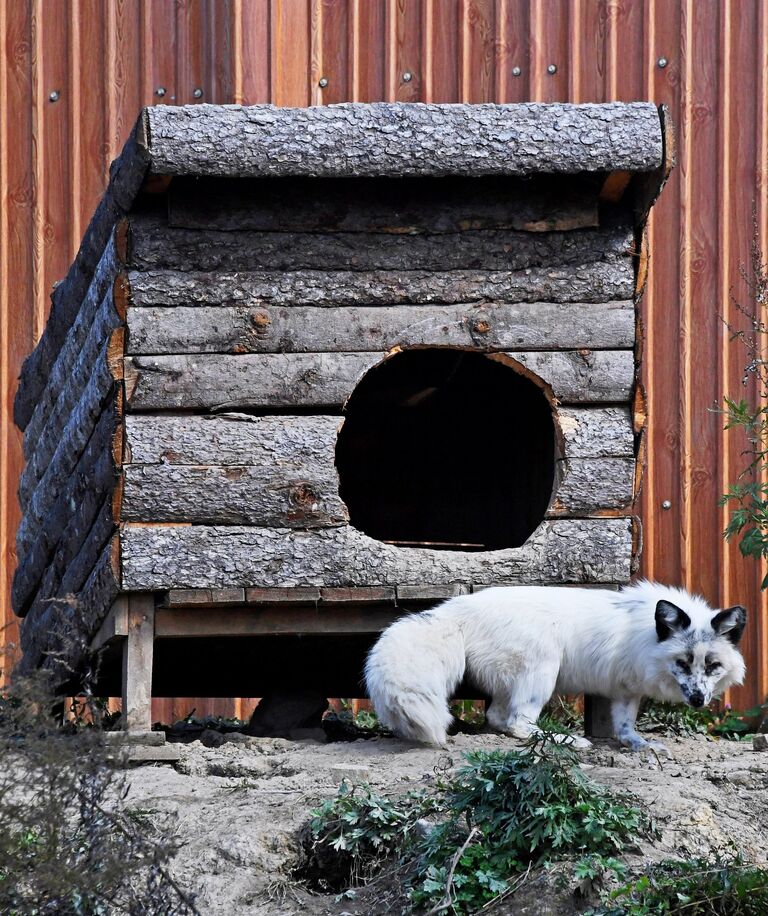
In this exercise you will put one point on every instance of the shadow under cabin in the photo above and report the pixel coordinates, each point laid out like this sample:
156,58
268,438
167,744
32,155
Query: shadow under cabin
313,369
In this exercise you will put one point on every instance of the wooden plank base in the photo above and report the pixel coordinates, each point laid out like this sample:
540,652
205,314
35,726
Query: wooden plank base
138,649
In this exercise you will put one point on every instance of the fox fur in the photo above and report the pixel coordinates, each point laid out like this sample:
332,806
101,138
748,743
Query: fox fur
520,645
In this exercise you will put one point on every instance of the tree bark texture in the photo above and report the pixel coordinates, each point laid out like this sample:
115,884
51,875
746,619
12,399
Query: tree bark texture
45,429
326,380
597,280
269,329
64,507
154,245
126,175
159,557
280,472
390,139
56,637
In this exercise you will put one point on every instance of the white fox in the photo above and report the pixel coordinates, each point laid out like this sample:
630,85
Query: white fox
520,645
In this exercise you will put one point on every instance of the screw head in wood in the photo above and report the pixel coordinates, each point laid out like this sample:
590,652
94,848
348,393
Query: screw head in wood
407,76
552,69
322,82
662,62
54,95
197,93
516,71
666,504
160,91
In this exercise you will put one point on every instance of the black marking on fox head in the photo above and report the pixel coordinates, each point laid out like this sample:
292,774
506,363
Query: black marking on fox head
670,619
730,623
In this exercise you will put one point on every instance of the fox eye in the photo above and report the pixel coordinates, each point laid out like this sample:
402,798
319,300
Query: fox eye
711,667
683,666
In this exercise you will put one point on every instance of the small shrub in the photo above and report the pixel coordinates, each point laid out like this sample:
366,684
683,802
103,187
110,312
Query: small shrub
719,886
68,846
463,845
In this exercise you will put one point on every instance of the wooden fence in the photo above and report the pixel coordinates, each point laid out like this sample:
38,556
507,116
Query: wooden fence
74,73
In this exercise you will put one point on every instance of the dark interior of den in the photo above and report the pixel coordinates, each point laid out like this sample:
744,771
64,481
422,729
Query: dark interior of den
448,449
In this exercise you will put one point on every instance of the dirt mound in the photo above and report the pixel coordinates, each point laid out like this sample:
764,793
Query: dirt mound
237,809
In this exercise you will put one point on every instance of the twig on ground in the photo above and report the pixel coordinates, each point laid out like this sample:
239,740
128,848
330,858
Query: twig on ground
446,901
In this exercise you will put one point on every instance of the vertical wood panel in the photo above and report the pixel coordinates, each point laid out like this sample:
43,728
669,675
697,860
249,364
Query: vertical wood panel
250,65
549,48
290,51
404,24
739,584
17,290
108,57
368,36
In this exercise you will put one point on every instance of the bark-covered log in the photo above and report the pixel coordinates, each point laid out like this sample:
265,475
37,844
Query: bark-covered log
595,281
267,329
288,444
94,321
395,139
292,443
583,376
198,556
153,245
594,484
265,497
64,511
233,496
402,205
126,176
72,563
44,431
596,432
266,380
99,392
57,636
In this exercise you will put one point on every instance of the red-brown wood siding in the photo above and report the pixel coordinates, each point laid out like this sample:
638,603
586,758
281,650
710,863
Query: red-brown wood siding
106,58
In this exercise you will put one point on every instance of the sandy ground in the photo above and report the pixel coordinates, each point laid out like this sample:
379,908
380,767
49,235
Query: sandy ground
236,810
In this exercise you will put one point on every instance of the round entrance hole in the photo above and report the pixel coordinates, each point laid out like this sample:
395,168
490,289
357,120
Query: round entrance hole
447,449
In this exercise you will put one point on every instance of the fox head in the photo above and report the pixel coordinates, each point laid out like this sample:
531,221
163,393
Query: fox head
700,655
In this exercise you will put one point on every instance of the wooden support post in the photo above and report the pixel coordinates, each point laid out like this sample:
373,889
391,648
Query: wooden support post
138,650
597,717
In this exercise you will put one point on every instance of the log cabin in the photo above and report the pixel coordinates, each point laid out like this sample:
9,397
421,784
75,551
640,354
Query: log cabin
313,369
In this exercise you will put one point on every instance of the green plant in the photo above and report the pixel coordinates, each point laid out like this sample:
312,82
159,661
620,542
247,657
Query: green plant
511,809
465,843
676,718
719,886
363,829
748,497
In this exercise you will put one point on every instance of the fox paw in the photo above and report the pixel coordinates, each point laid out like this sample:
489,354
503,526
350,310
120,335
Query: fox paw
637,744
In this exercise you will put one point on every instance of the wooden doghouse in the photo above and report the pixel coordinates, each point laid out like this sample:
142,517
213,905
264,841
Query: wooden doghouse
314,368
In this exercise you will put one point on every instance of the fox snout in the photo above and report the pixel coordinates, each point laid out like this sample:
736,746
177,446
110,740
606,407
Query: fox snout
696,699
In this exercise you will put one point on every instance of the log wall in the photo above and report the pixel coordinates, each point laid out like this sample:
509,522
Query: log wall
54,159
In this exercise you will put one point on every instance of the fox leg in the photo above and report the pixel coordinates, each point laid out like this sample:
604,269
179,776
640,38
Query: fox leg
624,715
516,706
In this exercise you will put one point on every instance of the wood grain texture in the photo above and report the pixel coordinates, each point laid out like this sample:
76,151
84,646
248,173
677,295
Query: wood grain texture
596,432
418,139
402,205
153,245
592,281
265,329
594,484
198,556
286,380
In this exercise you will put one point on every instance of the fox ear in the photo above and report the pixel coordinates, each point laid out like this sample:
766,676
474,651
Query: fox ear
730,623
670,619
